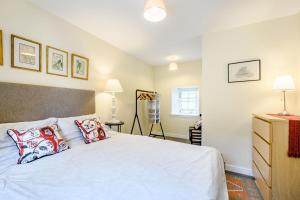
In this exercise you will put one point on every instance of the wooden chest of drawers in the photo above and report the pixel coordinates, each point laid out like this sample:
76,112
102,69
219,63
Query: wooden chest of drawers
277,175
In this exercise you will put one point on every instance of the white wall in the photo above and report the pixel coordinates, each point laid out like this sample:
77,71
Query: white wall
298,76
188,74
227,107
22,18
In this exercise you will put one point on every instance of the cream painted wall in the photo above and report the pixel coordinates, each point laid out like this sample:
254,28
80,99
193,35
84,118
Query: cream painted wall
188,74
227,107
298,71
22,18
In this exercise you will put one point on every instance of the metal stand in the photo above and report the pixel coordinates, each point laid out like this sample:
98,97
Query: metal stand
136,117
155,135
138,120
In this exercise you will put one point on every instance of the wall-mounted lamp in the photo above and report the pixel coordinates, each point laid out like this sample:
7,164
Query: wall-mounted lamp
173,66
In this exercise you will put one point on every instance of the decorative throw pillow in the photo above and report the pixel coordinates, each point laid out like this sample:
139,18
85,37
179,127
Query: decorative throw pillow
91,129
36,143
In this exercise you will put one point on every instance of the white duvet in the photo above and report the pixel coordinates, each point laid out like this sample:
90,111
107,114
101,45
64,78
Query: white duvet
123,167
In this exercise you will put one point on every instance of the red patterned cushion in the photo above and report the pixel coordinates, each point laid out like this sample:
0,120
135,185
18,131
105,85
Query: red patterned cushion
36,143
91,129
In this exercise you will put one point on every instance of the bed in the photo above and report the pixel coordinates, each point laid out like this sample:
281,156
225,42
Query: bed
118,168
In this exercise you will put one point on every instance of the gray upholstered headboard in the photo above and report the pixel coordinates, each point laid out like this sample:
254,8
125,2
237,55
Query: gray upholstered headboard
20,102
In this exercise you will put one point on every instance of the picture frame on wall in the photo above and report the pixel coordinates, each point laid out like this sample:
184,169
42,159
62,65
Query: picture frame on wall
80,67
56,61
1,48
26,54
244,71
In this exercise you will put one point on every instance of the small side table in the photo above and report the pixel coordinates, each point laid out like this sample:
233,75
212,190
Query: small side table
195,135
117,124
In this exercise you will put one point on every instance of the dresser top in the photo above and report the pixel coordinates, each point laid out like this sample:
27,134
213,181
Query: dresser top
269,118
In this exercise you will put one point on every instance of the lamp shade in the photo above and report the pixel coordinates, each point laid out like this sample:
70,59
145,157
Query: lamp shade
113,85
155,10
284,83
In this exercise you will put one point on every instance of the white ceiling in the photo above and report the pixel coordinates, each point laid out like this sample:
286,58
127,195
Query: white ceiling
121,22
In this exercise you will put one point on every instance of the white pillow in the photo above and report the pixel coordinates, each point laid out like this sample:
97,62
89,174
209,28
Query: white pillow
71,133
9,152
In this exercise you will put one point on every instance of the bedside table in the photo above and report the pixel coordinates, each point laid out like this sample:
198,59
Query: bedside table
117,124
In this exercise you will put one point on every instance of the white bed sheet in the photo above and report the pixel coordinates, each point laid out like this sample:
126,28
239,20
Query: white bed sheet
123,167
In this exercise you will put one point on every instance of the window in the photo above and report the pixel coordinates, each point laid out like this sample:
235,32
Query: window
185,101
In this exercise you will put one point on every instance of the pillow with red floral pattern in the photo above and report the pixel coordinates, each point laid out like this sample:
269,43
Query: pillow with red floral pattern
91,129
36,143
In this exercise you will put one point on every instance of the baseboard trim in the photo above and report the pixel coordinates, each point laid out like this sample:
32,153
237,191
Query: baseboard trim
239,169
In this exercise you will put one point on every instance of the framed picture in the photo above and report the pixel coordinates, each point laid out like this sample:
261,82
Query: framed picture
57,61
26,54
80,67
244,71
1,48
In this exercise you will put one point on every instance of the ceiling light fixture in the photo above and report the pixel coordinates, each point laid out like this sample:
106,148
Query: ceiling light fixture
172,58
155,10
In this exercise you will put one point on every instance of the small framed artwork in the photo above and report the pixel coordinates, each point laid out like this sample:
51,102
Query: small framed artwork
57,61
26,54
244,71
1,48
80,67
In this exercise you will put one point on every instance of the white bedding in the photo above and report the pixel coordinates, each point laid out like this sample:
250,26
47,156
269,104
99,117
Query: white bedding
123,167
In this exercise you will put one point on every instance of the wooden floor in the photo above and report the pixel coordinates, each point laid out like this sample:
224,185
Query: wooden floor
239,187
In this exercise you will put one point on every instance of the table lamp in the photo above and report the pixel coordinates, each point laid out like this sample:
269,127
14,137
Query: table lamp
284,84
113,86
